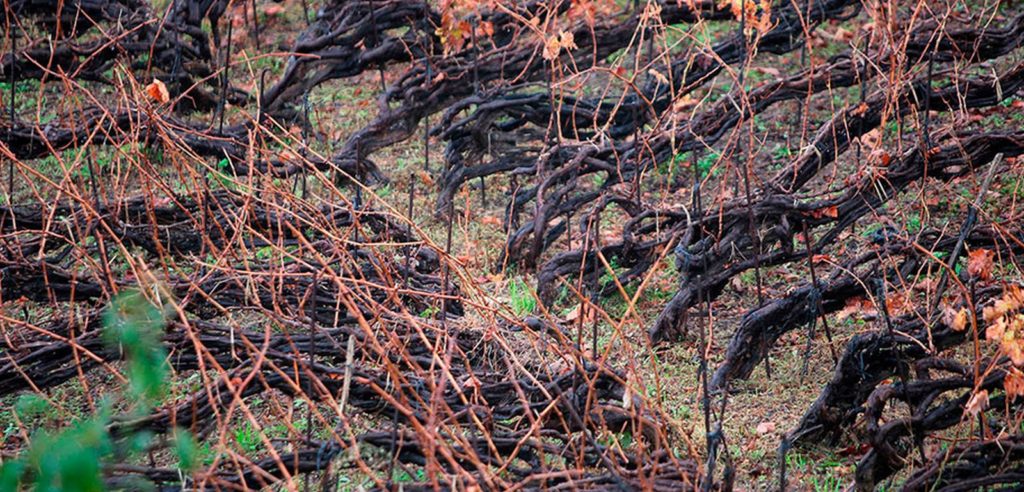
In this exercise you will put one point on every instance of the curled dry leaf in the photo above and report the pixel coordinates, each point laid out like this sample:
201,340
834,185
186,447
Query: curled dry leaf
857,305
556,43
980,263
765,428
551,48
574,314
659,76
831,211
960,320
485,29
1006,324
977,403
566,40
426,178
957,320
1013,383
158,91
758,13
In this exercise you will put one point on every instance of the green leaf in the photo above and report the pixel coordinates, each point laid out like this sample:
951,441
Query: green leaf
521,298
30,405
136,326
10,474
186,448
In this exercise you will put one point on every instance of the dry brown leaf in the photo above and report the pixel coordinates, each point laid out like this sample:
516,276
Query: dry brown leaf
426,178
158,91
551,48
566,40
765,428
959,320
979,263
830,211
854,306
658,75
575,314
899,303
1013,383
977,404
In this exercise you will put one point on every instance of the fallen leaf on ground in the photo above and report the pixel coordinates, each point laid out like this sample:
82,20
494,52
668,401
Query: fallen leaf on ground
765,428
575,314
957,320
979,263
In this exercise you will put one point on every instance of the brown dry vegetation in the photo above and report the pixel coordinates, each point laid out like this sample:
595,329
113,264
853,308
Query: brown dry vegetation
498,245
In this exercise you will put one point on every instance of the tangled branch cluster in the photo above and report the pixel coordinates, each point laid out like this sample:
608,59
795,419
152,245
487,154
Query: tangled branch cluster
286,279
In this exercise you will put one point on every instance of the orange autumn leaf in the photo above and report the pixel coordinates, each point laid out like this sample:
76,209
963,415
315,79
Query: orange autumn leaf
979,263
860,110
556,43
485,29
158,91
490,220
856,305
899,303
830,211
426,178
1006,324
885,159
1013,383
958,320
757,13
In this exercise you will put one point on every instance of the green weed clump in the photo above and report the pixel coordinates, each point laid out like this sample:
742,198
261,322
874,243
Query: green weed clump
521,298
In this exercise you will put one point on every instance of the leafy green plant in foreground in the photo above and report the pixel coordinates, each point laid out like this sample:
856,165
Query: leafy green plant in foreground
72,458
